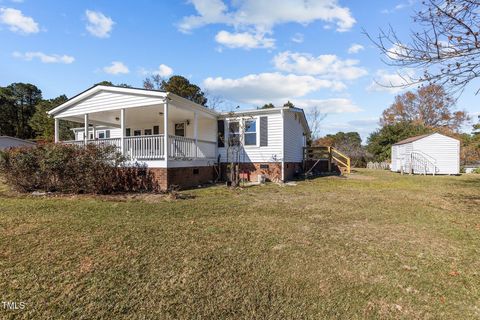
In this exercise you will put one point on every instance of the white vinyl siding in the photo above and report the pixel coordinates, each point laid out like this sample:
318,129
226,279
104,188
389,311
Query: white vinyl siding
445,151
270,153
104,101
294,136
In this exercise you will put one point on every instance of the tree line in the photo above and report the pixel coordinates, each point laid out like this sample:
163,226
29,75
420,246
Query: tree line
427,110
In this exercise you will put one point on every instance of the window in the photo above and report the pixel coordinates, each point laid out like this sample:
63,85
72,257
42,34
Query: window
147,132
101,134
128,132
250,133
221,133
90,136
107,134
234,133
137,132
156,130
180,129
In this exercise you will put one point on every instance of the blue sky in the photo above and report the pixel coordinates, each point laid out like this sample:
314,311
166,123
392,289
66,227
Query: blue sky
247,52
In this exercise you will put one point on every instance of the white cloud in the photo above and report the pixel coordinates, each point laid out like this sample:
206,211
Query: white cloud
335,105
163,71
98,24
328,65
355,48
391,82
44,58
397,51
17,22
116,67
267,87
400,6
244,40
297,37
262,15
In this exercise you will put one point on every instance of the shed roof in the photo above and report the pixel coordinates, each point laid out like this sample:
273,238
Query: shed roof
17,139
412,139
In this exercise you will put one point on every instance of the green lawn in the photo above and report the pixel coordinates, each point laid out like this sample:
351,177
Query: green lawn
374,245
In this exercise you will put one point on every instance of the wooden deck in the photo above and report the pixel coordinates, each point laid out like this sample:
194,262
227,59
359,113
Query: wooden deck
313,157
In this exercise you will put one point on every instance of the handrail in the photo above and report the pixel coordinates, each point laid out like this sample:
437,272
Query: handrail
347,159
422,162
327,153
338,160
432,159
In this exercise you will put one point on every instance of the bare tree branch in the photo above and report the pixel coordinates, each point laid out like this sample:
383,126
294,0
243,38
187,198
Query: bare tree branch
445,49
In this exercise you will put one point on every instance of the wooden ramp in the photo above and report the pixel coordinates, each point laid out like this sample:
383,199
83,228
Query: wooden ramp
324,160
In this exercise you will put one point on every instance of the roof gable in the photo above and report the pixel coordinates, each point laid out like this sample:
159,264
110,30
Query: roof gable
412,139
111,94
423,136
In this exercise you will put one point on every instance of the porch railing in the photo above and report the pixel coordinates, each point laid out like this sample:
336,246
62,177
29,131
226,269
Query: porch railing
144,147
186,148
106,142
152,147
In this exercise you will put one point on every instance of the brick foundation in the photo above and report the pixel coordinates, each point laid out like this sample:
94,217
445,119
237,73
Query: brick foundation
271,170
187,177
184,177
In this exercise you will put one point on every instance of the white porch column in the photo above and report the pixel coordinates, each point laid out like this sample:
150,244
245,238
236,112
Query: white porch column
94,130
122,133
85,132
165,130
57,130
195,132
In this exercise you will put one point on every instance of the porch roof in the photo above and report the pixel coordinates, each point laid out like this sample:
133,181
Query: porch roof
101,98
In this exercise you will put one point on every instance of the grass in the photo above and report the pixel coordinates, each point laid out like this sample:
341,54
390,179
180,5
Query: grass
375,245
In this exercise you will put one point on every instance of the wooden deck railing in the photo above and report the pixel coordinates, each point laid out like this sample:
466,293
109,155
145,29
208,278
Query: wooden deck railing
329,154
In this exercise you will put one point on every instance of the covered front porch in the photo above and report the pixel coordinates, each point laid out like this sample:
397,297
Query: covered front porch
156,128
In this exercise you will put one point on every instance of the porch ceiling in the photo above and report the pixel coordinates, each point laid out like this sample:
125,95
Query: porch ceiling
150,114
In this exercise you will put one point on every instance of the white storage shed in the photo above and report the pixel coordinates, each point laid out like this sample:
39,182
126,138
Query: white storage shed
427,154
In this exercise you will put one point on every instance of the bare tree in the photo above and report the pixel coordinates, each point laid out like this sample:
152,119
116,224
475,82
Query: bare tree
314,118
446,48
153,82
214,101
235,145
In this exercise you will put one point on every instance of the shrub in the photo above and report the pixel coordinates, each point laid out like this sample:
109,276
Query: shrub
73,169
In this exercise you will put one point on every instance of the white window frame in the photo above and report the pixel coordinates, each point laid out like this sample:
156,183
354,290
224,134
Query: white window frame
184,128
241,130
227,123
257,122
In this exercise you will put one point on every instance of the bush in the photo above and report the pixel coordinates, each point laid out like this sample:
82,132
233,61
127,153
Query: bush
73,169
